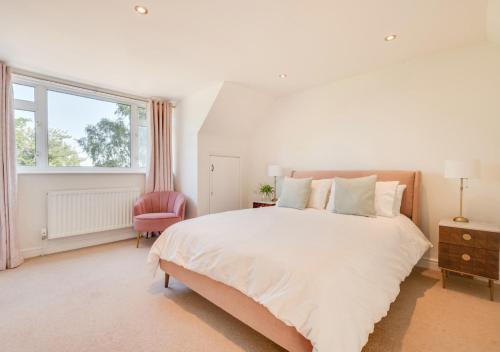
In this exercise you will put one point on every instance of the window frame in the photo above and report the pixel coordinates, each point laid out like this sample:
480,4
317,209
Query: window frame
40,108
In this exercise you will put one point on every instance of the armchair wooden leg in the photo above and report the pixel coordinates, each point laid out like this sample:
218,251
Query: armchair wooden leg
167,278
138,239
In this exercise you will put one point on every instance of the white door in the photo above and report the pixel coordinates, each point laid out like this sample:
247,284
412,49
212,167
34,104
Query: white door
224,183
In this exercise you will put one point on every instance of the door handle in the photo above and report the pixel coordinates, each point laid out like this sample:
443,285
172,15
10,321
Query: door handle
212,168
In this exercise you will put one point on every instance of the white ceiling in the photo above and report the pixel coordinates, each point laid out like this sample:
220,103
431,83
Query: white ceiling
183,45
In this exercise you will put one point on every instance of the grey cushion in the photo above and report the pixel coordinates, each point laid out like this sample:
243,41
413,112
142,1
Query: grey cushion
355,196
295,193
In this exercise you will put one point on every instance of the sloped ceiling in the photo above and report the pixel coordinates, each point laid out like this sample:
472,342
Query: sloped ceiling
183,45
236,111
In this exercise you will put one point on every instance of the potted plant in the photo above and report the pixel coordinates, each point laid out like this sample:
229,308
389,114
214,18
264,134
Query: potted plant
266,191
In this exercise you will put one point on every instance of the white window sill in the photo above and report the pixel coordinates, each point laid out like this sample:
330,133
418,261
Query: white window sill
79,170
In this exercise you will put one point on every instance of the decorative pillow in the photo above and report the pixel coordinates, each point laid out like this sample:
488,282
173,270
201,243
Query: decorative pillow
398,200
331,199
355,196
385,196
319,193
295,193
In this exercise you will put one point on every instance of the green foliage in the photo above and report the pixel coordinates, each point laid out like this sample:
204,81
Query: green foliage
123,110
25,142
266,189
108,142
61,153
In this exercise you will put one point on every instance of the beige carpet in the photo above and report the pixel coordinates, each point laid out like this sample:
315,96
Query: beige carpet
104,299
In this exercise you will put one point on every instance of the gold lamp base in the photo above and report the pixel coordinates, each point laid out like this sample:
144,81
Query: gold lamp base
460,219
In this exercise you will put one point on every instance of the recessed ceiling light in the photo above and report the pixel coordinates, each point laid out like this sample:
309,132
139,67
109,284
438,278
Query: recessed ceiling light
141,10
390,37
282,75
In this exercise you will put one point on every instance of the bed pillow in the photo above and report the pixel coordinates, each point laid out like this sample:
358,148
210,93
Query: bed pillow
385,196
355,196
399,199
330,206
295,193
319,193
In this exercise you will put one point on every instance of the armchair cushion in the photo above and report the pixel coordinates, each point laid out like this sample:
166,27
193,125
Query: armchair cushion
154,221
156,216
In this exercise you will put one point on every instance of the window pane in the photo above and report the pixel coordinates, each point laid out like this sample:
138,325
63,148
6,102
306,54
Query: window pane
142,117
25,137
87,132
23,92
142,145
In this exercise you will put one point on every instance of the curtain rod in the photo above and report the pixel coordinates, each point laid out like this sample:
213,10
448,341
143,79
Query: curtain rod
21,72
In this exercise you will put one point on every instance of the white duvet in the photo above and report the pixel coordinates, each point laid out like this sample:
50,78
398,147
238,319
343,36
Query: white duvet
330,276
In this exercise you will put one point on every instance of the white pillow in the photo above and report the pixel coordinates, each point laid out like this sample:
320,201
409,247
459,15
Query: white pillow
385,197
319,193
331,200
399,199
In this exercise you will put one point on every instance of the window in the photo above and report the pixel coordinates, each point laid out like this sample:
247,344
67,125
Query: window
62,128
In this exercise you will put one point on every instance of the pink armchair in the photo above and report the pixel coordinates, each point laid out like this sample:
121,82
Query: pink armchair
156,211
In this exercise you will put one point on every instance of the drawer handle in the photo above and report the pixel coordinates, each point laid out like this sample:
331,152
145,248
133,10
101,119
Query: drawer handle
466,237
465,257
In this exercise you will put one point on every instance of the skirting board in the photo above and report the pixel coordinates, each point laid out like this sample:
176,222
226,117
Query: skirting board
70,243
428,263
76,242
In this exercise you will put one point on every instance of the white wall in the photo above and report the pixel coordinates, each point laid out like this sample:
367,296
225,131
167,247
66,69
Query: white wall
412,115
32,209
228,130
190,113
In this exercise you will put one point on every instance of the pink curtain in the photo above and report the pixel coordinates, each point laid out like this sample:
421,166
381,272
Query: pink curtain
10,256
159,177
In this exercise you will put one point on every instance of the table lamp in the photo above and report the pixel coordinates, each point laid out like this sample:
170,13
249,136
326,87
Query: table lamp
275,171
462,169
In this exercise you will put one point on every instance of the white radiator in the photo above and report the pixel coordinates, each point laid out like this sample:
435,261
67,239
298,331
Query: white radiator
78,212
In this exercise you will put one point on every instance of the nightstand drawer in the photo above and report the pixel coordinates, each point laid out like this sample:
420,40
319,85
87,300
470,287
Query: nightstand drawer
469,238
469,260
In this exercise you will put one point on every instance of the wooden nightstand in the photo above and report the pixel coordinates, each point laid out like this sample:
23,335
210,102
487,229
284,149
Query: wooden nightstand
263,204
470,249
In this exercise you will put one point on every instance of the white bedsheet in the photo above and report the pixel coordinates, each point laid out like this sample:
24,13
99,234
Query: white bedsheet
330,276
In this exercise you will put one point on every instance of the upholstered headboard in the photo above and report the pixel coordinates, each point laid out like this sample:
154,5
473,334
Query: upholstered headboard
410,205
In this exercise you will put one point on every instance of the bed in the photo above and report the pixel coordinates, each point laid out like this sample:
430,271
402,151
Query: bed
306,279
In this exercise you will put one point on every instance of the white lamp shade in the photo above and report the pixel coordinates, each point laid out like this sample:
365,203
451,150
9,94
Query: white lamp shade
274,170
462,169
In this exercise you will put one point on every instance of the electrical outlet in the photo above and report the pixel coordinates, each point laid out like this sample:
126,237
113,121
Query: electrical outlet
44,233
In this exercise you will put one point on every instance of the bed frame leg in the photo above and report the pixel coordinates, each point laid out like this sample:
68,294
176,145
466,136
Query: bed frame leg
167,277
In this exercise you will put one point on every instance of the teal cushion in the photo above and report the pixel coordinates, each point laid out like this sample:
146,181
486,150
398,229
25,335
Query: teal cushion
295,193
355,196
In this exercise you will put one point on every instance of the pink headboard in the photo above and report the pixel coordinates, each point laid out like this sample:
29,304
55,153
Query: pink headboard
410,205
